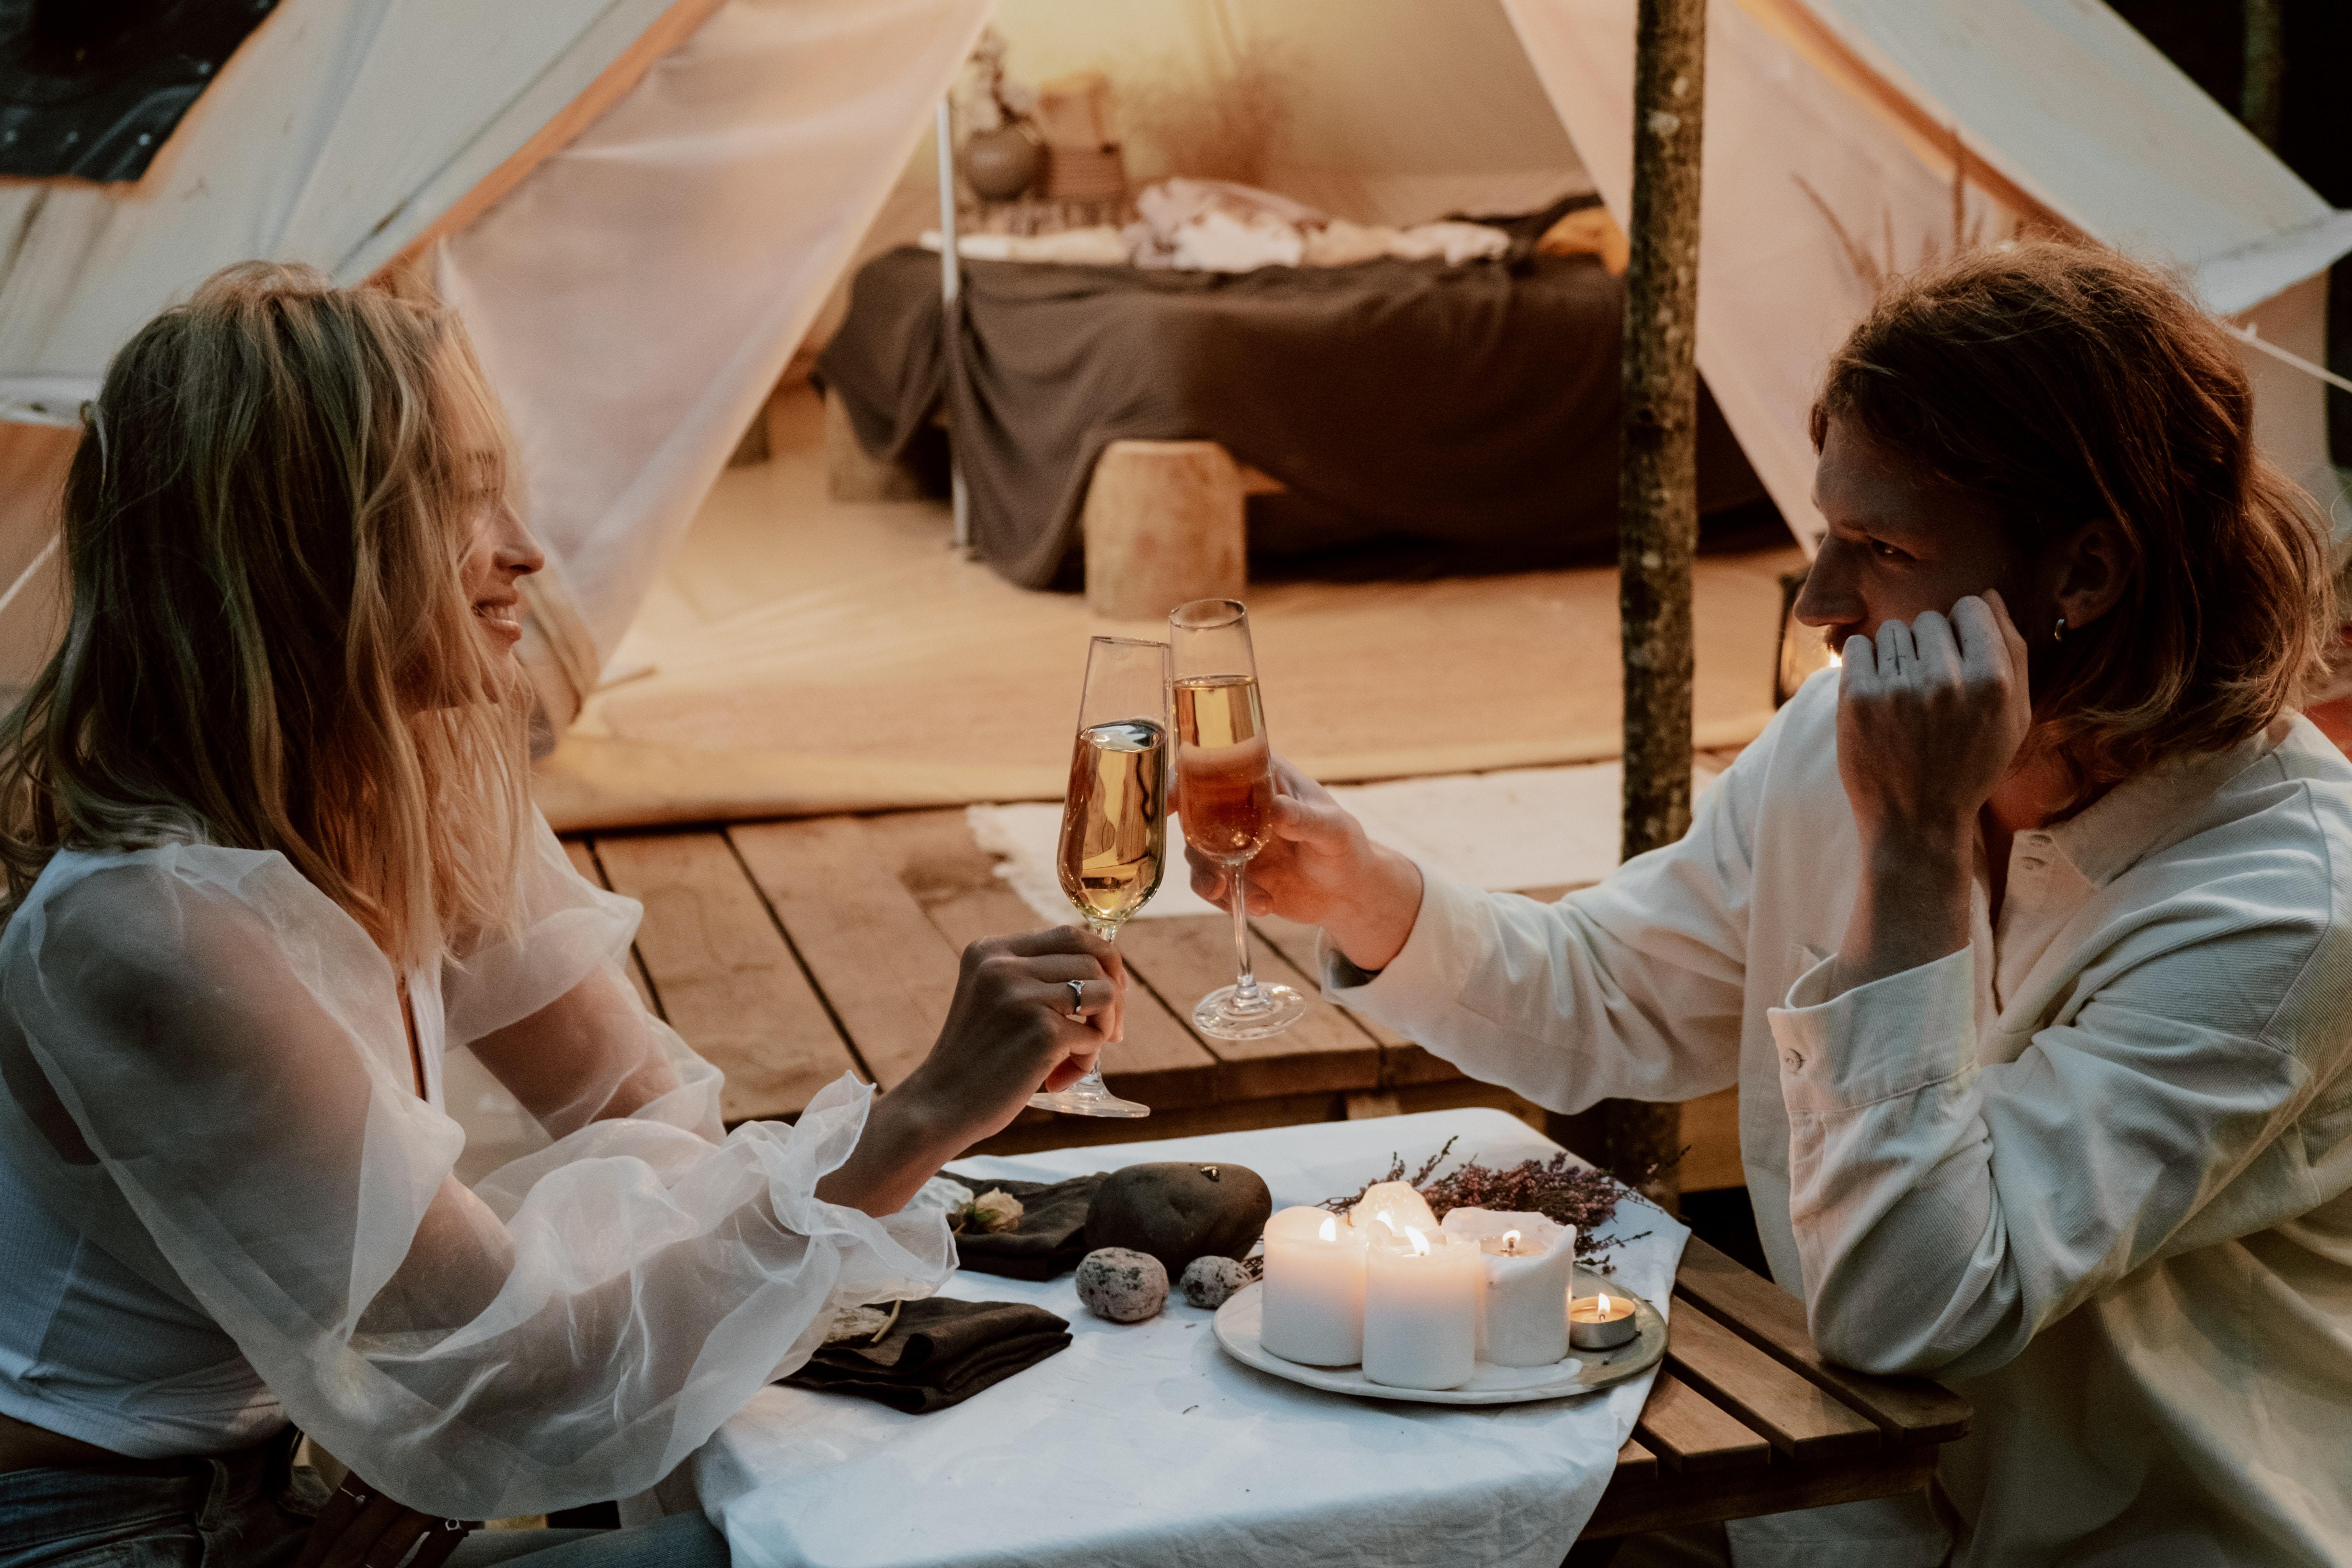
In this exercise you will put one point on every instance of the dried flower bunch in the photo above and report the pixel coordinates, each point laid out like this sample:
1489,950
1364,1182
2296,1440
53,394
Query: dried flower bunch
1559,1189
991,1212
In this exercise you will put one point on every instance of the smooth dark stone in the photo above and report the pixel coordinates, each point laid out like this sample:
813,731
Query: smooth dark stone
1177,1211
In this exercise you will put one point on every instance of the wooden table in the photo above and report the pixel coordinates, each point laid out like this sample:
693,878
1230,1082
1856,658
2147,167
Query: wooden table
1747,1418
789,953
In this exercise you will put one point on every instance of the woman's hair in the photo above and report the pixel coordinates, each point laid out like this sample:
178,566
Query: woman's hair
2063,383
269,643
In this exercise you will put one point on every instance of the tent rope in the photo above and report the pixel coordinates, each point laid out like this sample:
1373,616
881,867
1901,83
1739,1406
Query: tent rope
2248,335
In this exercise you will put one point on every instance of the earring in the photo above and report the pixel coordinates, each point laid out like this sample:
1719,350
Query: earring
2058,634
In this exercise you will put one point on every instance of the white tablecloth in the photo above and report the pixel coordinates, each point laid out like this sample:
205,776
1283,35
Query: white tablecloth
1145,1444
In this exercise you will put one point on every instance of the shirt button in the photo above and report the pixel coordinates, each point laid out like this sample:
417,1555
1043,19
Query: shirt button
1794,1061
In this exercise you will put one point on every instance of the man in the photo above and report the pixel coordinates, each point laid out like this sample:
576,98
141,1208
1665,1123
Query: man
2027,936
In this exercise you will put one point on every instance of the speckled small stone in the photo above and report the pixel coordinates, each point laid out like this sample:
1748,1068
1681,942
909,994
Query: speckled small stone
1125,1286
1207,1281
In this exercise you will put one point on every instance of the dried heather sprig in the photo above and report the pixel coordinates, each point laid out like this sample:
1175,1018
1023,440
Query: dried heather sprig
1559,1189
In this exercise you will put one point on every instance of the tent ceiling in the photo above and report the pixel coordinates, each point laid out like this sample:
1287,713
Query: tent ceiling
335,136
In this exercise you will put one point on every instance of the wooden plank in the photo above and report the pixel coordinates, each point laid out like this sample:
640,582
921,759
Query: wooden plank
875,955
730,984
1402,1063
1691,1434
1711,1142
1908,1409
1160,1064
584,860
1186,957
1804,1420
1670,1499
1634,1463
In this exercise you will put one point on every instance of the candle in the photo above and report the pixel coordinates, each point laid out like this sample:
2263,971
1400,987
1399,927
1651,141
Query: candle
1601,1322
1529,1264
1387,1207
1314,1297
1421,1311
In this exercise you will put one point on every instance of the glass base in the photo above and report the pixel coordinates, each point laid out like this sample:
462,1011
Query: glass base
1087,1097
1225,1015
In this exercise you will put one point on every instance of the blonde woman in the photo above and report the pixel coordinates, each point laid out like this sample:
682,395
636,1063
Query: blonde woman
268,858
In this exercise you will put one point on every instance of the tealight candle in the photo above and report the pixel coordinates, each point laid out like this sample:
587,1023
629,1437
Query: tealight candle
1314,1297
1421,1311
1601,1322
1387,1207
1530,1263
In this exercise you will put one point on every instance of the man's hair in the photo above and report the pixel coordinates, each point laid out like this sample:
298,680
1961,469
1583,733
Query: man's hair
2061,383
269,643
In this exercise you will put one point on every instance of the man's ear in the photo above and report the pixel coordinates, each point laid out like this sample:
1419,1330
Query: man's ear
2093,568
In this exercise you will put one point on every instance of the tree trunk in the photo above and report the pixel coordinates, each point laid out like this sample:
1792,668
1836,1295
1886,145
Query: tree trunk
1657,515
2259,99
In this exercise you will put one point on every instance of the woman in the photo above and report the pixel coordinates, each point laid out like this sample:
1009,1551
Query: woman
2026,935
269,857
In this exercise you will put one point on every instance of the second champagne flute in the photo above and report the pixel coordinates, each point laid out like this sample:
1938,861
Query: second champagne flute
1225,772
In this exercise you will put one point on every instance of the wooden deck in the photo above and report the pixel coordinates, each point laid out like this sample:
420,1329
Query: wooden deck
789,953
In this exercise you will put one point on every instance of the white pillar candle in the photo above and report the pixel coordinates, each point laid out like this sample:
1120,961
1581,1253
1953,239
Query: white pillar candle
1400,1205
1530,1262
1421,1311
1313,1303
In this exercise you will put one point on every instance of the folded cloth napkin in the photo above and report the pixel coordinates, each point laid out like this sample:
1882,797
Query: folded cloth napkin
936,1352
1050,1239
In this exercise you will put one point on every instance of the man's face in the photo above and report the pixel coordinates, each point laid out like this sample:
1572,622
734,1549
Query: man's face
1899,543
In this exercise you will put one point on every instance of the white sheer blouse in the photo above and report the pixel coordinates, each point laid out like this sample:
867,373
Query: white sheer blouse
208,1078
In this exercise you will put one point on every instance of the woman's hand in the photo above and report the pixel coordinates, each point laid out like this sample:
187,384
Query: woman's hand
1015,1026
1931,719
1319,868
362,1528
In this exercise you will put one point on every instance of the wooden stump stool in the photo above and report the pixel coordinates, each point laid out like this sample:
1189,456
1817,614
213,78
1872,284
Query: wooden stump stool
1163,524
852,476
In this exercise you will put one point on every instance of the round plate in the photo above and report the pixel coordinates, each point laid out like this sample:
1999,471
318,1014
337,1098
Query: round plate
1583,1372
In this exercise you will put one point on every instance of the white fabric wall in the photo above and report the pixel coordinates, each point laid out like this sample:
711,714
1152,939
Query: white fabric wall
636,297
1811,189
335,135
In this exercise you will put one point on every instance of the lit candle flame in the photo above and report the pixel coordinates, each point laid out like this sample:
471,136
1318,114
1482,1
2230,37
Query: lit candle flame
1330,1231
1602,1310
1837,660
1383,1217
1420,1242
1511,1241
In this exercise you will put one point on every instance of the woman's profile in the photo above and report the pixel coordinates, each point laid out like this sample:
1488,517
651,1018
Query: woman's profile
269,855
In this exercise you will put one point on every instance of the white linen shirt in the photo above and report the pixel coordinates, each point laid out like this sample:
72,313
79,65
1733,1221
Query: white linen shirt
2091,1170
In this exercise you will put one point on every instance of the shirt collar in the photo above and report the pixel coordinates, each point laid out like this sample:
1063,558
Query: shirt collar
2142,814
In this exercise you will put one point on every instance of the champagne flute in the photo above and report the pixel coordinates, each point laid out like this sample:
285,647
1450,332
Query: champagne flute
1225,770
1115,817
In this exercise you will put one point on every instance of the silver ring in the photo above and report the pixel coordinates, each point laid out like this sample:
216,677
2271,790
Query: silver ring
1078,997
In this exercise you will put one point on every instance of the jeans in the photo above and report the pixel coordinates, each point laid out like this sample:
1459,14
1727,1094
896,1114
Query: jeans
252,1510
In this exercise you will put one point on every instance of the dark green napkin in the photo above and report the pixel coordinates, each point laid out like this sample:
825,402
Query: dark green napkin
1050,1239
937,1354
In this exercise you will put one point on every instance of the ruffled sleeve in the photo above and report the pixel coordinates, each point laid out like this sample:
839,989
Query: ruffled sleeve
228,1048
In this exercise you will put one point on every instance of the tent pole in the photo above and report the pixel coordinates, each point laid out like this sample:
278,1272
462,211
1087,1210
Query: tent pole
1657,509
951,287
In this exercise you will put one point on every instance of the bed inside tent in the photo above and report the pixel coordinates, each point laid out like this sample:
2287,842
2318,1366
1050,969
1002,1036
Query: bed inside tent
647,214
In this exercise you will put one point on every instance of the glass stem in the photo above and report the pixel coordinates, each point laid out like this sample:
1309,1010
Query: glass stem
1109,931
1245,991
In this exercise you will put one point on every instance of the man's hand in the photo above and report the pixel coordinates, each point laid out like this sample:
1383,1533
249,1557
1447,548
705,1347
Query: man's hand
1319,869
1931,719
362,1528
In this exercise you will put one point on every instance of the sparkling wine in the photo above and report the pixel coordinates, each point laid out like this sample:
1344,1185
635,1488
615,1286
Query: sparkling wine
1222,758
1114,818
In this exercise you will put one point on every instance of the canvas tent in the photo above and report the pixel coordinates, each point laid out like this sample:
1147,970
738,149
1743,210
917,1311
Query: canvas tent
639,207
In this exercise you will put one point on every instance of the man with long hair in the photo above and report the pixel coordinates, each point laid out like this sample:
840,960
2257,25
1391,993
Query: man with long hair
2026,935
